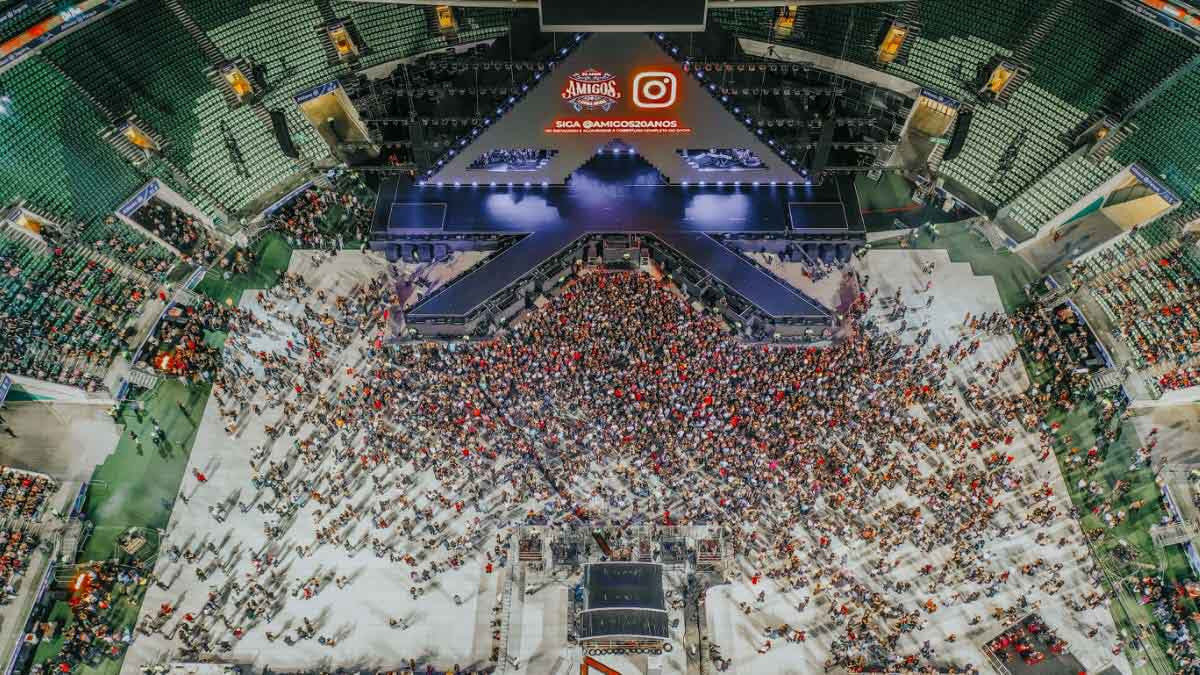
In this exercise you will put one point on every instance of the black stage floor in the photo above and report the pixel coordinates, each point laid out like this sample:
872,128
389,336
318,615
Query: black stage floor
612,195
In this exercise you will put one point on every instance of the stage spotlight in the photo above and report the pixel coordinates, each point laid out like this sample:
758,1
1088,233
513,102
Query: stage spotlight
440,183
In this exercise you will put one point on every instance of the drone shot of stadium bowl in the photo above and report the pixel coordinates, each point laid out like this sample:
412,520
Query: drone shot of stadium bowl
602,338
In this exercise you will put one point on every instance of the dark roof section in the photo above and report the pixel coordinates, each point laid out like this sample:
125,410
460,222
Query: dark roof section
623,585
632,623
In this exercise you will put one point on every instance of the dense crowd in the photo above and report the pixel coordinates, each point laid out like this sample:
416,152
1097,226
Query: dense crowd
618,400
180,344
181,230
101,594
321,218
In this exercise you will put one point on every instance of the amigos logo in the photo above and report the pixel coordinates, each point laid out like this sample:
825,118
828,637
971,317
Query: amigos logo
591,90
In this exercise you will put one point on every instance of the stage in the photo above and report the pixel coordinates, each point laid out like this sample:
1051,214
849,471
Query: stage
617,193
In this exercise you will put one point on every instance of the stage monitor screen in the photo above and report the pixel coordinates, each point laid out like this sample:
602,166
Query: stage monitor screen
619,16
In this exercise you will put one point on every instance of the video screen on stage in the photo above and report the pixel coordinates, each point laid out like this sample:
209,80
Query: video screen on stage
722,159
637,101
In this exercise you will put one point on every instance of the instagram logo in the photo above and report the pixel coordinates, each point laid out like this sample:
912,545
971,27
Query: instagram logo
654,89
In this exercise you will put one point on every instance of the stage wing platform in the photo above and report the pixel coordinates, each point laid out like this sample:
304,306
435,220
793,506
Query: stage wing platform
554,223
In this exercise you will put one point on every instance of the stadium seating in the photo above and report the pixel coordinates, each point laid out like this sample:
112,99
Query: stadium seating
23,495
17,545
1147,283
1095,57
393,32
63,311
52,153
129,247
1160,141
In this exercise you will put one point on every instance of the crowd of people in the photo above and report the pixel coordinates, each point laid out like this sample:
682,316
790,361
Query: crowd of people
617,400
96,630
308,220
17,544
24,494
180,344
181,230
63,311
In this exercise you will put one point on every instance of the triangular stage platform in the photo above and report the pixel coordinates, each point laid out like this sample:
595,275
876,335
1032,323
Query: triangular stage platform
617,186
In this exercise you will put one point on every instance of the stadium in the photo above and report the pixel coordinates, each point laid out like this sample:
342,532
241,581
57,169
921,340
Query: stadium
557,336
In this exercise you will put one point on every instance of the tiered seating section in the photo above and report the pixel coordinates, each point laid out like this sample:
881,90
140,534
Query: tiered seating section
128,247
63,311
24,494
17,544
181,230
53,156
1161,126
395,31
140,59
1151,299
1095,56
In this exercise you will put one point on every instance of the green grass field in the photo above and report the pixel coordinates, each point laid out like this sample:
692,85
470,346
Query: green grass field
890,199
137,487
274,256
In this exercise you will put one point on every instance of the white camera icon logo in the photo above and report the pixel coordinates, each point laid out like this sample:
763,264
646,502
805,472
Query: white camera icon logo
654,89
